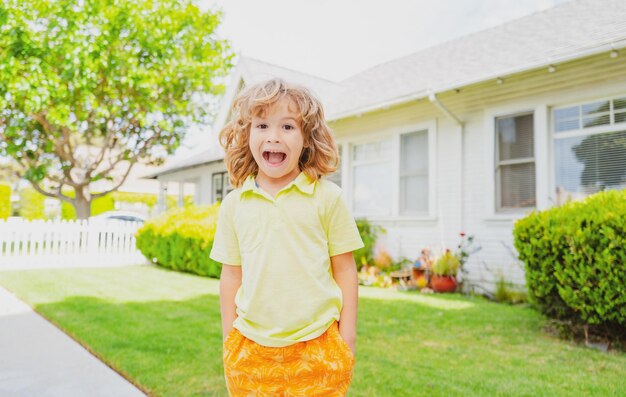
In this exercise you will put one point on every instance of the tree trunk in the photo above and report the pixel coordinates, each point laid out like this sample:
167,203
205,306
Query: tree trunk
82,204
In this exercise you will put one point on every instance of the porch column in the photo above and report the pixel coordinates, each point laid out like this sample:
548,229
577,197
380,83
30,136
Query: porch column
162,198
181,194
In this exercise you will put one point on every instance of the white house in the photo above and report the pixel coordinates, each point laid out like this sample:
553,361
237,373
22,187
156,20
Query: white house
470,135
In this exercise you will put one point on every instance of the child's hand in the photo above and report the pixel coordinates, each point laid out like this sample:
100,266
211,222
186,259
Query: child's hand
350,341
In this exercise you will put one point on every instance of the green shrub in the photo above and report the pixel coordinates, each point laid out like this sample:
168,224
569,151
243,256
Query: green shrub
369,233
5,201
31,204
575,259
181,239
151,199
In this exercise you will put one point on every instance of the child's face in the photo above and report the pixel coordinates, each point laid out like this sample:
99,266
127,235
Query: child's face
276,141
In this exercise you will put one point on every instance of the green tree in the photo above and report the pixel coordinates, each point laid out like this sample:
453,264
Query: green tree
89,88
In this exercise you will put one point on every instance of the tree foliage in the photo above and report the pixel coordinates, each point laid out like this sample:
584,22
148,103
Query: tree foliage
89,88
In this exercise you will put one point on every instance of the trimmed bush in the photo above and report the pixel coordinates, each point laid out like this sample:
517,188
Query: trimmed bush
575,259
5,201
181,239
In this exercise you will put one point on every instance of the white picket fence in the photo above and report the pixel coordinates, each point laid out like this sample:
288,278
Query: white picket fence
49,244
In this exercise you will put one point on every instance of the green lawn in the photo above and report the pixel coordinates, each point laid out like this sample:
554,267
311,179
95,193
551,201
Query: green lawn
162,330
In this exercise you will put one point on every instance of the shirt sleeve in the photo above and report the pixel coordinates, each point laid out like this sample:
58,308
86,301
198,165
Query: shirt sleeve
225,244
343,234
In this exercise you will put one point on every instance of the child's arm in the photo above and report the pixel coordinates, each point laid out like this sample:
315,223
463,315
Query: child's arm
230,280
345,274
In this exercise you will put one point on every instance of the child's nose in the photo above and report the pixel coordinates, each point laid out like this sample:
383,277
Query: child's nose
273,135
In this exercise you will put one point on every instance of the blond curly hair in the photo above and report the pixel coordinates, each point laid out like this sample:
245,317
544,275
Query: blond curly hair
319,155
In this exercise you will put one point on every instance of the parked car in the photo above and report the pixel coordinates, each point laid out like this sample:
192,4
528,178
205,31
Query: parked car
125,216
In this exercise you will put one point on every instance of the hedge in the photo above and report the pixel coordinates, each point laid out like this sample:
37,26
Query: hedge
5,201
181,239
130,197
31,204
575,259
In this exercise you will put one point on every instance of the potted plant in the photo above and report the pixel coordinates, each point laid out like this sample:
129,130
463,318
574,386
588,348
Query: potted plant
444,272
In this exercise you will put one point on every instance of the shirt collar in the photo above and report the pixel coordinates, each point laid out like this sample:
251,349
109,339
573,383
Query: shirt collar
302,182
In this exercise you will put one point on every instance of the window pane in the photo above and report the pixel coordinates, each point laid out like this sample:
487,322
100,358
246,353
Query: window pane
361,152
599,120
372,150
414,173
596,107
567,113
414,153
588,164
567,119
620,117
335,177
218,188
414,194
515,137
372,189
517,186
567,125
619,103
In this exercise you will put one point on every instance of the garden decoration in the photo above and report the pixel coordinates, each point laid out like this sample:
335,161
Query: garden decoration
444,272
421,265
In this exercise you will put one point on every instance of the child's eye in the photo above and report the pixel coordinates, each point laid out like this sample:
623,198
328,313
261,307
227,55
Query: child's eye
289,127
262,126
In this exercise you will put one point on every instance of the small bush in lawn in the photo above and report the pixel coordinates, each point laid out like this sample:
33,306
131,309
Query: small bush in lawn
181,239
575,258
507,292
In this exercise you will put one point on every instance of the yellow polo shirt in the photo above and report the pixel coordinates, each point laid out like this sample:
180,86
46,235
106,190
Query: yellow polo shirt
284,245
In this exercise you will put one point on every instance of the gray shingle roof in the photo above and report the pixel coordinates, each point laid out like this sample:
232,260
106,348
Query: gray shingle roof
563,32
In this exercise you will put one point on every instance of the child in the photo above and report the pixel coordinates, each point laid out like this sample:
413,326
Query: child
288,288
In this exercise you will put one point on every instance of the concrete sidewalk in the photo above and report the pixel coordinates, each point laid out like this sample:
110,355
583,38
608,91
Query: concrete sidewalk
38,360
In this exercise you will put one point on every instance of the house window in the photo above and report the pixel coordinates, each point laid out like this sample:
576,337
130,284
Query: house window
335,177
589,148
220,186
414,173
515,163
371,170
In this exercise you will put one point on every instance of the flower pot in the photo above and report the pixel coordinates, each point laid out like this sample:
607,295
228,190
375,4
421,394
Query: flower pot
417,272
443,283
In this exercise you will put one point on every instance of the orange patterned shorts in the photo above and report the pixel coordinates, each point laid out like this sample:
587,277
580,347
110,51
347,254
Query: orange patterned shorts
318,367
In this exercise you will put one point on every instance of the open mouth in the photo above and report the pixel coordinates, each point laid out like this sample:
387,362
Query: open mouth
274,159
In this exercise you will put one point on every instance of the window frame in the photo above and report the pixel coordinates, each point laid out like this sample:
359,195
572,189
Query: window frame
394,133
402,212
498,164
353,164
225,185
579,132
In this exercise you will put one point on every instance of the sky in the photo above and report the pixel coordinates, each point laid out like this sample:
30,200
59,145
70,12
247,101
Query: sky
335,39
